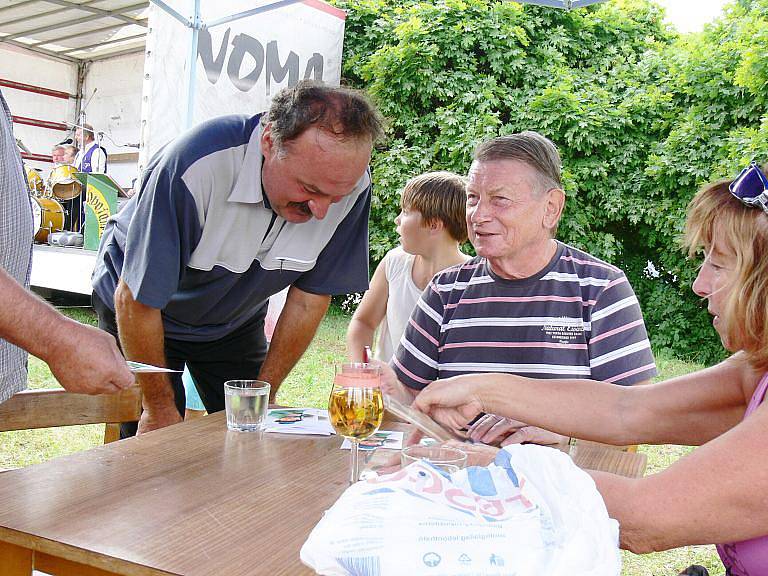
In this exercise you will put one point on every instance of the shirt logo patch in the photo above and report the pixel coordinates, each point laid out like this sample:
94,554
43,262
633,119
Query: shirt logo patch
564,330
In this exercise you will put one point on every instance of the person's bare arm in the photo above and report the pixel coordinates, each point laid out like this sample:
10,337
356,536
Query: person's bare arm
83,359
142,336
294,331
716,494
691,409
368,315
500,431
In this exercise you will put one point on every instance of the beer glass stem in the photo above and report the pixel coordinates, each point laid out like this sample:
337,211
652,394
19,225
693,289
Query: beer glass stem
354,461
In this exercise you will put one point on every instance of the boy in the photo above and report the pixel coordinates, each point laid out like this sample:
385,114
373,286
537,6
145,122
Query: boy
432,226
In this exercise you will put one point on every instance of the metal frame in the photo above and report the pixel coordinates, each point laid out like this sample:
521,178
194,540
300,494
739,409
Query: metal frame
106,43
49,13
95,14
83,20
77,35
119,13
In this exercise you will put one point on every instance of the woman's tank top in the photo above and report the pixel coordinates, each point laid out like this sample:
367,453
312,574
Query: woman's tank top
749,557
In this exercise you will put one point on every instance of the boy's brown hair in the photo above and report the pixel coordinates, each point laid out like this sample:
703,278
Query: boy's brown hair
439,197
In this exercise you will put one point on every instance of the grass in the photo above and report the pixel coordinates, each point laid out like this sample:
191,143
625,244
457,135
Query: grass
308,385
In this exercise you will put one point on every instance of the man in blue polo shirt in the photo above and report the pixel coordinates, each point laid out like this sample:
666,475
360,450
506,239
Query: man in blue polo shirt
229,214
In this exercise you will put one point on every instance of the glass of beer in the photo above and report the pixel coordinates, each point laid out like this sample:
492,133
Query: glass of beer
356,406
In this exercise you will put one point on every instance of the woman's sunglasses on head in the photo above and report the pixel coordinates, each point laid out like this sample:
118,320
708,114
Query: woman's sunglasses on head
751,187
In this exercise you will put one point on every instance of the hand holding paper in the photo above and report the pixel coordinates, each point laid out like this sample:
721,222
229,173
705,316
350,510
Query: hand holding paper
141,368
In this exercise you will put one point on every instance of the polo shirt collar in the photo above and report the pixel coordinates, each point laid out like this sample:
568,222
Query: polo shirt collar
247,188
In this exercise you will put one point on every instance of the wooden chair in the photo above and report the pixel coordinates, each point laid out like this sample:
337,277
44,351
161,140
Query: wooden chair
57,407
623,460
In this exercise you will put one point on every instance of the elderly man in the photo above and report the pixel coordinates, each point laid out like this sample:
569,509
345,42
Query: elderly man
229,214
527,304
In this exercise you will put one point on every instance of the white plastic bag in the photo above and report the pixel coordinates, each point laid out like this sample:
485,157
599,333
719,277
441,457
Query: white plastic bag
531,513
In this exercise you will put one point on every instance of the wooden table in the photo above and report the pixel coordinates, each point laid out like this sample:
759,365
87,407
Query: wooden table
189,499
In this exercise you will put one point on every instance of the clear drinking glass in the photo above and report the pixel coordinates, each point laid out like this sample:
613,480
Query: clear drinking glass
245,402
356,406
443,457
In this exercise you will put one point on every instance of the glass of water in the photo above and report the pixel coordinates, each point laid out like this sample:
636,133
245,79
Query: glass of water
442,457
245,402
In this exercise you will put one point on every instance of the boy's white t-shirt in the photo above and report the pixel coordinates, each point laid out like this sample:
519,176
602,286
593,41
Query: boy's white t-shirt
403,296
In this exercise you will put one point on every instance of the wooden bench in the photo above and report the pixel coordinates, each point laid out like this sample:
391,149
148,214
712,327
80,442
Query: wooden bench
57,407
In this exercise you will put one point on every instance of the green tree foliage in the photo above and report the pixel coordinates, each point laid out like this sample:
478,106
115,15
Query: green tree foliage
641,116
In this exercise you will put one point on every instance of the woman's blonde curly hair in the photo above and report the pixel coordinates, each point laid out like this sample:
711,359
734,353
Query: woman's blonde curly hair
714,213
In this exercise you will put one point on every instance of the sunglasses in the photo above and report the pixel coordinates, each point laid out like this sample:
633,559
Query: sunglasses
751,187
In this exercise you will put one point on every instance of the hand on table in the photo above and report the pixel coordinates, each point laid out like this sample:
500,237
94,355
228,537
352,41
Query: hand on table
477,454
492,429
534,435
154,418
499,431
391,463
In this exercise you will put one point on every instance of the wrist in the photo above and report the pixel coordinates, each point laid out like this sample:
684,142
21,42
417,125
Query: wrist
60,341
484,393
157,392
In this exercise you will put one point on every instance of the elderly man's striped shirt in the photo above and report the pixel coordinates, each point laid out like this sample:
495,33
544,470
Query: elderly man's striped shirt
577,318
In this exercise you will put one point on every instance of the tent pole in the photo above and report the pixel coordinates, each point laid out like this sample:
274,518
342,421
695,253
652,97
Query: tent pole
196,24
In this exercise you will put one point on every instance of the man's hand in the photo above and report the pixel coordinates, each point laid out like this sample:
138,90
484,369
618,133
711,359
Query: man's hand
157,417
87,361
391,386
499,431
82,358
452,402
477,454
492,430
534,435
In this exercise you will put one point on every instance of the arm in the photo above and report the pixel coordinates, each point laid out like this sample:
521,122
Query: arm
498,430
691,409
143,339
295,329
34,325
391,386
715,494
368,315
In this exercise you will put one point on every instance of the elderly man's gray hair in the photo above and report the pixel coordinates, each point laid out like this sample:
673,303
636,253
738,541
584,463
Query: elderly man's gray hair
528,147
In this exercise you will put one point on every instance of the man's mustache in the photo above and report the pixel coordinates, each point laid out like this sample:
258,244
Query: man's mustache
301,207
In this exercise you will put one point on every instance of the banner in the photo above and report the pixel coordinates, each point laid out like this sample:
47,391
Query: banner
240,65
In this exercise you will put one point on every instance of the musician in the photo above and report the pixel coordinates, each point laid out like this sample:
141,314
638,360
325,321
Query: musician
92,157
69,155
57,154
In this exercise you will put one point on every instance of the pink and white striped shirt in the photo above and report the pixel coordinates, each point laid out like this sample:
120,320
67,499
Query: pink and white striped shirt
576,318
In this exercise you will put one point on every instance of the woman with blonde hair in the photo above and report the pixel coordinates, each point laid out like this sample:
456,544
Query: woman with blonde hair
718,494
